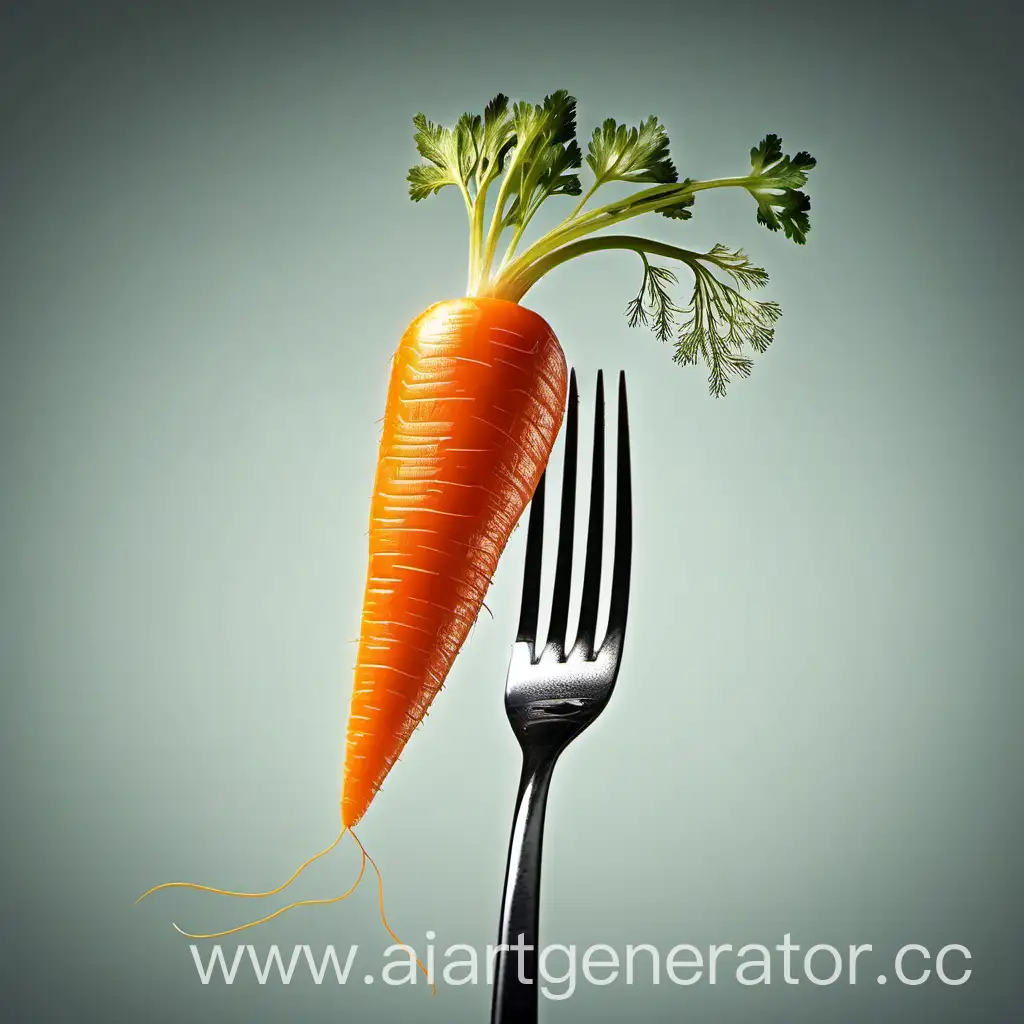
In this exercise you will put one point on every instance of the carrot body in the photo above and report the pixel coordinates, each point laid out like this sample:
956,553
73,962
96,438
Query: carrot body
475,402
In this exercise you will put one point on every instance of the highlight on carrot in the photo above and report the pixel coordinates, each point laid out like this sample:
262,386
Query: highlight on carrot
478,383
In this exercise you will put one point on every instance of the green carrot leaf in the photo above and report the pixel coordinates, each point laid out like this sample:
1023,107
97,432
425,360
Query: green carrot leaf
721,323
618,153
548,173
653,306
495,138
449,152
681,210
538,125
543,157
475,147
427,181
775,185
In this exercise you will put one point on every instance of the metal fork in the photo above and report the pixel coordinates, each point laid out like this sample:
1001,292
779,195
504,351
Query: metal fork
552,697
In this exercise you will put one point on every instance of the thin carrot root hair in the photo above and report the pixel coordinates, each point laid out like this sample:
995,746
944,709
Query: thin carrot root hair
248,895
383,917
277,913
364,857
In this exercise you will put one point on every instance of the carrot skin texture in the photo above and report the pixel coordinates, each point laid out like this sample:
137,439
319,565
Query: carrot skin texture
475,401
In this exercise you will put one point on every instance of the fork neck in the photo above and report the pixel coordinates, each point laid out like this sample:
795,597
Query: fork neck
516,973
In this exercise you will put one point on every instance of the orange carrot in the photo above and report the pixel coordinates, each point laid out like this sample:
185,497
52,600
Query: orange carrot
478,387
478,384
475,402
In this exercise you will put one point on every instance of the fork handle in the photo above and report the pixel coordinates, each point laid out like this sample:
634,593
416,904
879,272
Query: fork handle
515,977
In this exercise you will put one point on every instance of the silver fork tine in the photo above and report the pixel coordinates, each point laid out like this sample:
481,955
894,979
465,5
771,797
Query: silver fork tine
590,598
530,607
559,620
619,603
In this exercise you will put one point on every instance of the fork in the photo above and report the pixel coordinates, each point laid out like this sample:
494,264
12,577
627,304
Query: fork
551,697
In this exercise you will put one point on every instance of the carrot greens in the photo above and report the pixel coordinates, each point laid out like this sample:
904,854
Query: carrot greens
529,152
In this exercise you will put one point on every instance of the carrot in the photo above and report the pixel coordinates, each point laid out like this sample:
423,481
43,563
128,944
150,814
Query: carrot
478,385
475,402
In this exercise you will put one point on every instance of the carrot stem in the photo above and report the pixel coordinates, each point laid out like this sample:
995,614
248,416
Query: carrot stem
572,228
516,287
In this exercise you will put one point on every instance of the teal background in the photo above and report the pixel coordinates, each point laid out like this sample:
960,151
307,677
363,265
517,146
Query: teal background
207,257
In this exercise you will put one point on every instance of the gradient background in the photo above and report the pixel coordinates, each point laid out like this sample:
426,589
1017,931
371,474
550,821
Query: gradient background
208,255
